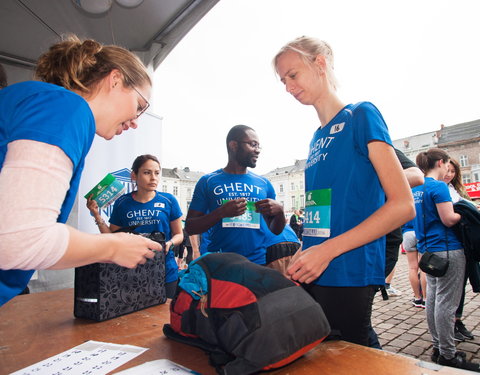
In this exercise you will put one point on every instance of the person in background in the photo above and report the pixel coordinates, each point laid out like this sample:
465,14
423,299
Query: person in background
433,222
416,276
189,245
148,210
46,130
356,193
296,223
453,179
394,239
236,206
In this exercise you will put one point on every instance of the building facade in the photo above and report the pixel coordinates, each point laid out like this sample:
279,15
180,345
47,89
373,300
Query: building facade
289,186
460,141
181,183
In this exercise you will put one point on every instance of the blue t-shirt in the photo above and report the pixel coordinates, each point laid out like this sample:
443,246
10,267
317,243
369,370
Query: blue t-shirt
50,114
154,215
342,190
287,235
408,226
243,234
426,198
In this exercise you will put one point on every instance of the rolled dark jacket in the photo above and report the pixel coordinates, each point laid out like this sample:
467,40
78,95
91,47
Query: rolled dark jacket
468,232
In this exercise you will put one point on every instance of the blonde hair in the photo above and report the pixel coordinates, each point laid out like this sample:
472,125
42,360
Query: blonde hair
309,48
79,65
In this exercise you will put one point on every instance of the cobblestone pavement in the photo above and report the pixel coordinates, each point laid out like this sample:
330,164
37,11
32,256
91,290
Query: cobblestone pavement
402,328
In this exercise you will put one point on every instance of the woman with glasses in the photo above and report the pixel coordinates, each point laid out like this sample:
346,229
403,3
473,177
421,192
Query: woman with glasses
356,193
148,210
46,130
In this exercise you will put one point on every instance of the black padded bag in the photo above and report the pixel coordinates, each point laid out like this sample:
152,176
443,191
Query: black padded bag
105,291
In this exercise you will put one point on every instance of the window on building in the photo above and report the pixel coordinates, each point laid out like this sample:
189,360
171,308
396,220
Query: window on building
463,160
300,185
189,193
175,190
280,188
302,200
164,188
476,176
292,186
293,202
466,178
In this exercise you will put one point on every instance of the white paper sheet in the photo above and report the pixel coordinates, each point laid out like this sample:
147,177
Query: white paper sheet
89,358
158,367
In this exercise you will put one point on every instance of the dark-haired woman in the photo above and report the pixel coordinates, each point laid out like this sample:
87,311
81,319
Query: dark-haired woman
453,179
148,209
433,222
46,130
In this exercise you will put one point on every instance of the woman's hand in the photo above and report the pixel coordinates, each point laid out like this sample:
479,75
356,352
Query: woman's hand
92,206
306,266
130,250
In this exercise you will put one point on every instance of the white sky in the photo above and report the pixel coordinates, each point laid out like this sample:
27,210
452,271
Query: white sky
418,61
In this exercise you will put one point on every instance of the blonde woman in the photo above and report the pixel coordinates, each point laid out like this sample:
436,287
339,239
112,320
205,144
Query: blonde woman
356,192
46,129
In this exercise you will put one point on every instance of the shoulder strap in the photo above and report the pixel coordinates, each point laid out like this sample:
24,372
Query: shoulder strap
424,221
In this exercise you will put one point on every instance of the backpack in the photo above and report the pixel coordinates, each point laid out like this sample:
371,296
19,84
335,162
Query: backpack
246,316
467,229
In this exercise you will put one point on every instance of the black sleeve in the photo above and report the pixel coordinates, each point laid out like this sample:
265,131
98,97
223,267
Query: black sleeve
404,161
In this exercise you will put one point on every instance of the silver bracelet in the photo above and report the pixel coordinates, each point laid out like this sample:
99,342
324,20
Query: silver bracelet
100,222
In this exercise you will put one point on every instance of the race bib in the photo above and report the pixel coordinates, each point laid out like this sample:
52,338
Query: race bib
318,206
250,219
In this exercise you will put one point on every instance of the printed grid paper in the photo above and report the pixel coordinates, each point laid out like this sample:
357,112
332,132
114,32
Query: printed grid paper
89,358
158,367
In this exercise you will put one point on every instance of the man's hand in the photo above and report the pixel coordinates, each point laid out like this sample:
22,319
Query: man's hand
235,207
269,207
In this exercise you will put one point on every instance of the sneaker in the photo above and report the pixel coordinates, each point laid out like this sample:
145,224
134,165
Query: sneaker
458,361
392,292
436,353
457,336
418,303
460,328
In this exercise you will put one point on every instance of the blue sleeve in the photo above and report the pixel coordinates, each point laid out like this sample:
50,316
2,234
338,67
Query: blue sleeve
200,197
270,191
369,126
175,211
440,193
65,121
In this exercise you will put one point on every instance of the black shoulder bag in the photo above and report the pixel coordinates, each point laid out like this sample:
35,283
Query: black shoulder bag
430,262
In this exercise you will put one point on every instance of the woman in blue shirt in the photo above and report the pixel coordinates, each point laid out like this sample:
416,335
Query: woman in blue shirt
46,130
149,210
433,222
356,192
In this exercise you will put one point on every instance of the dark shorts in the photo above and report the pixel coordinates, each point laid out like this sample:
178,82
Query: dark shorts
348,310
